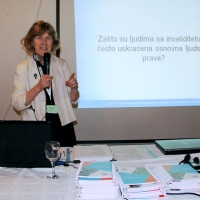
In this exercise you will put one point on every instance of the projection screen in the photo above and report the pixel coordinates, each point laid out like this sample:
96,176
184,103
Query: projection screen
137,53
137,63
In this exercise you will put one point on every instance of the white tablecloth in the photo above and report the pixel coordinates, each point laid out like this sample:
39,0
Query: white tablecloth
32,184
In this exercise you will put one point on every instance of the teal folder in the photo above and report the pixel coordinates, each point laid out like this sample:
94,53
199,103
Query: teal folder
179,146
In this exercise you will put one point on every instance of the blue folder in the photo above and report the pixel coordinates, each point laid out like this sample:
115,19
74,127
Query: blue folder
179,146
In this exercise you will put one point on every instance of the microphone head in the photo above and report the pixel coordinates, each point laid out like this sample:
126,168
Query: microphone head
196,160
187,158
47,57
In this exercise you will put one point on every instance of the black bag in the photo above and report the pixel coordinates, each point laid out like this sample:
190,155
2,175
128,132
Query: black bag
22,143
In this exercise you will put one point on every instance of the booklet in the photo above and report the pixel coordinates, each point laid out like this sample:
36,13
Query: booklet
96,180
175,173
136,176
92,153
139,182
98,173
177,178
95,170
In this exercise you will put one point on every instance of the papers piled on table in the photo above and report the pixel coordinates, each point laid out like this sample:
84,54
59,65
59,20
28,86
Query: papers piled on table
92,153
178,178
137,181
97,180
135,152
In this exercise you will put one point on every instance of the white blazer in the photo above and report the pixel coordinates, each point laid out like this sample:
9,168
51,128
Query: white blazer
25,80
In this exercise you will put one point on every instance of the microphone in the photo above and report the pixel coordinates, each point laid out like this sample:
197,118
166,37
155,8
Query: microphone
47,59
186,159
196,160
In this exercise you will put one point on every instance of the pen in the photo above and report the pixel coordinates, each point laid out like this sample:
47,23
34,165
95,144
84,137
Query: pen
64,163
175,189
60,163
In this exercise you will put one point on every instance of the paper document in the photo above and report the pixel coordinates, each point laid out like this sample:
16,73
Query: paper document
92,153
96,180
137,181
135,152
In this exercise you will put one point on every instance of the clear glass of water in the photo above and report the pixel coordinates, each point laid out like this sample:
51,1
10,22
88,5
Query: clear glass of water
52,151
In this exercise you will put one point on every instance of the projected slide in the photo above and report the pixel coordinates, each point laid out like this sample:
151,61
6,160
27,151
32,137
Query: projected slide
138,53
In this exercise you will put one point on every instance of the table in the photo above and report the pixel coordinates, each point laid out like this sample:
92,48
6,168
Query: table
32,184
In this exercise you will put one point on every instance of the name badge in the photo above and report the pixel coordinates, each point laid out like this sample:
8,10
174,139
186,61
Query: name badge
53,109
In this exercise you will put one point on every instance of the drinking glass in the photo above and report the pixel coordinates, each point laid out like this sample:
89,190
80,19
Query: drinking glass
52,151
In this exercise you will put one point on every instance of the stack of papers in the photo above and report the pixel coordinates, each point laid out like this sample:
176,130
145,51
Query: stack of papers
178,178
92,153
96,180
137,181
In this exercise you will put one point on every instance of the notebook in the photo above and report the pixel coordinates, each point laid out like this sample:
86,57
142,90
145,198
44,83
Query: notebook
22,143
179,146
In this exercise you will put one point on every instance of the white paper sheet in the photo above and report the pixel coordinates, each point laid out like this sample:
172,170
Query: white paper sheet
92,153
135,152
